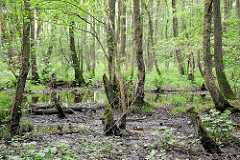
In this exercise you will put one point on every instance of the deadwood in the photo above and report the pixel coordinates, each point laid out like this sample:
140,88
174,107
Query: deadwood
206,140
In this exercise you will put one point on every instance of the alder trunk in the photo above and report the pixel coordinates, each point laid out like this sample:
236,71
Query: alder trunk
78,72
110,40
218,53
219,100
139,90
21,81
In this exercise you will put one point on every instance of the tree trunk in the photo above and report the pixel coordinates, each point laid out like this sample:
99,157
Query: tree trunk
78,72
238,16
93,51
139,90
110,40
16,108
175,34
123,29
35,76
151,44
218,53
219,100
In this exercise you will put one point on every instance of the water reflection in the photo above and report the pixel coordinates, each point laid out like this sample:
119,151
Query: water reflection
72,96
178,98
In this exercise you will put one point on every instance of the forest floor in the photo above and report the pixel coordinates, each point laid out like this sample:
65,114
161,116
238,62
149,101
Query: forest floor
156,135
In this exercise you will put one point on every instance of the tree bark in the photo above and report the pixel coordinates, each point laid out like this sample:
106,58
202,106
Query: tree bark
123,29
139,90
110,40
16,108
78,72
219,100
175,34
218,53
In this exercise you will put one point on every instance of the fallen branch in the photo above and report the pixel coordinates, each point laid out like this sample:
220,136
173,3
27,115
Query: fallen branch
39,108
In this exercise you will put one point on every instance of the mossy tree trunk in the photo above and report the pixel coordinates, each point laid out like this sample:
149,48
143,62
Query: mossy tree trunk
78,72
139,90
206,140
219,100
218,53
16,107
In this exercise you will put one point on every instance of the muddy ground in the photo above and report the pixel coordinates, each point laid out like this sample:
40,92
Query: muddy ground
156,135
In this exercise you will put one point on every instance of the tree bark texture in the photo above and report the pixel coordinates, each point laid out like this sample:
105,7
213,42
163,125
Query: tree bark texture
16,107
139,90
218,53
123,29
110,40
219,100
175,34
78,72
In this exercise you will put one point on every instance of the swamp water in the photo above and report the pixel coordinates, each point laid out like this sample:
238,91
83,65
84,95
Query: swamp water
98,96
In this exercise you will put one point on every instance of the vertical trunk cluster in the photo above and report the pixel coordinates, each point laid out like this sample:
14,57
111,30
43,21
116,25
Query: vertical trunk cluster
16,108
175,34
219,100
152,59
78,72
139,91
218,53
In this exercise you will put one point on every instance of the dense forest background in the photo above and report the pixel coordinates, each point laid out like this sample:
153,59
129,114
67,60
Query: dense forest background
128,49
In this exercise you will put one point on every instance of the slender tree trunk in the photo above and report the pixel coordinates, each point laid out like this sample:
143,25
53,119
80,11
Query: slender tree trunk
238,15
225,10
218,53
110,40
93,51
175,34
219,100
123,29
151,44
78,72
35,76
16,108
139,91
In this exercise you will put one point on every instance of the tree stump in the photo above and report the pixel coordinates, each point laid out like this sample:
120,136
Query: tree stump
113,127
206,140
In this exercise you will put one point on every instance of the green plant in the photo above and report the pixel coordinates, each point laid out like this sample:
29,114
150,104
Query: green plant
5,103
168,141
219,125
